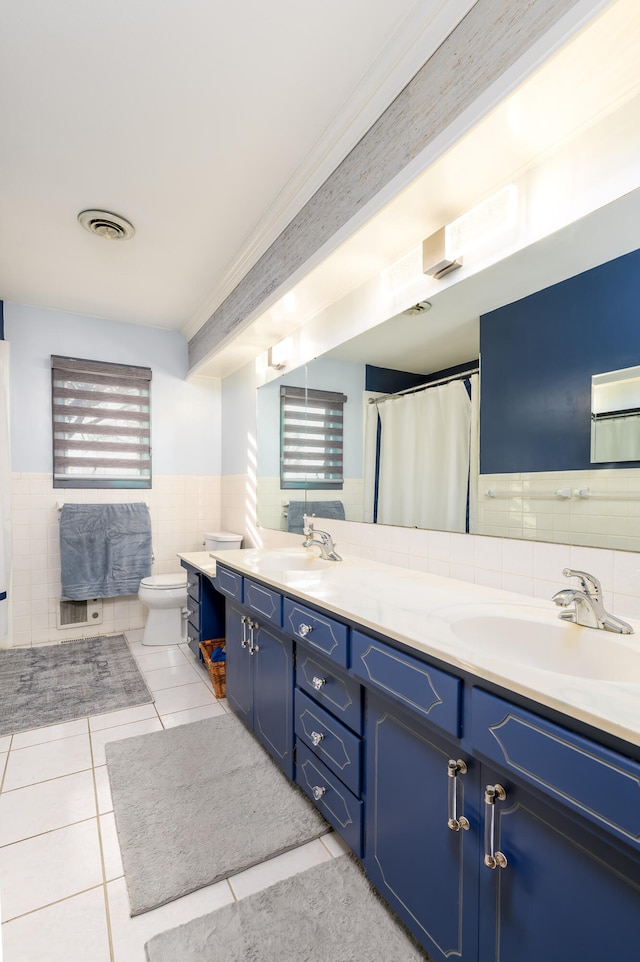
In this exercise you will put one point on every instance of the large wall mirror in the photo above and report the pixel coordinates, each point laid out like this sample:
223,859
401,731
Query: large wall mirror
534,476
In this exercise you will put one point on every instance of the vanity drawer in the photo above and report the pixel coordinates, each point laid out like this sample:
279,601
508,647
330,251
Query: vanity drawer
601,784
228,582
342,809
330,687
193,608
319,632
330,741
193,586
428,691
263,601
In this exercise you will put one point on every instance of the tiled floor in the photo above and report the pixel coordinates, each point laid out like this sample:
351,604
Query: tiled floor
63,896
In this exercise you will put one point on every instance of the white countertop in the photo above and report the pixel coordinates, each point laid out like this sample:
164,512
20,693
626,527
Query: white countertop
418,609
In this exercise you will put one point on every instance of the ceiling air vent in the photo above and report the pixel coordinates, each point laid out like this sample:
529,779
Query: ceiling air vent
105,224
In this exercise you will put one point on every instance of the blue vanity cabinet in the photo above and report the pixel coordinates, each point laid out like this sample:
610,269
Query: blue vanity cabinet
260,682
205,605
424,869
567,825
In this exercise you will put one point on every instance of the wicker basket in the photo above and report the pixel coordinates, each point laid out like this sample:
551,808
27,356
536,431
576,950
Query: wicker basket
217,669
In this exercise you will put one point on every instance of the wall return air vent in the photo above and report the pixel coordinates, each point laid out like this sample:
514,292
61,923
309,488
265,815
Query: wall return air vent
77,614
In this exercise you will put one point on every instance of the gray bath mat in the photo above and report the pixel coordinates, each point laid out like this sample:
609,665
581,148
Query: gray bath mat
329,913
198,803
50,684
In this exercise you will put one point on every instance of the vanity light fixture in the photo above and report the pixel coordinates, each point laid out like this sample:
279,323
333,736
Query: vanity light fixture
434,258
279,354
105,224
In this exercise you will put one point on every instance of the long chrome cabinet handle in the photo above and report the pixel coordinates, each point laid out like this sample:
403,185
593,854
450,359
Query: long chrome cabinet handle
244,621
455,821
253,627
492,859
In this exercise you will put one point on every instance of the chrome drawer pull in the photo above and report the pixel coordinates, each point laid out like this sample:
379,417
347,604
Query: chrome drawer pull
243,621
304,630
317,682
492,859
318,792
316,738
454,769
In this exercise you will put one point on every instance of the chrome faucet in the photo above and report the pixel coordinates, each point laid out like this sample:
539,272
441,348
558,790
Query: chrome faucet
588,609
322,538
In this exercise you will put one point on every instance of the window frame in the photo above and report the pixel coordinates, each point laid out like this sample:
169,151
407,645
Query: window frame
107,374
312,400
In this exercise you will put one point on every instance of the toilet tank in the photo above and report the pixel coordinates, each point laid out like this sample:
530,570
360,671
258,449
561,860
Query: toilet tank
221,540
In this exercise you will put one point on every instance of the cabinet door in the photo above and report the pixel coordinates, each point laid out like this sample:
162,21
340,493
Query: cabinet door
238,671
272,660
427,872
565,892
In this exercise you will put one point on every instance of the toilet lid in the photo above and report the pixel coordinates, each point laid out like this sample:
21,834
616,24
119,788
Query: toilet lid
223,536
178,580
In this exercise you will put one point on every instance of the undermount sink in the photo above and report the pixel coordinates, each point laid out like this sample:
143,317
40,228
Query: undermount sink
538,639
291,559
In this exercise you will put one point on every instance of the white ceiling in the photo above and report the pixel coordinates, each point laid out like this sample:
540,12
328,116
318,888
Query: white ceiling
206,124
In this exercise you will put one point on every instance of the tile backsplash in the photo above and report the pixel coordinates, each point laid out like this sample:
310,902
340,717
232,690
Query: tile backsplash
182,508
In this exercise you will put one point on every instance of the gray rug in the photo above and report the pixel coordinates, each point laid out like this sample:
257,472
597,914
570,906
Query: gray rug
329,913
50,684
197,803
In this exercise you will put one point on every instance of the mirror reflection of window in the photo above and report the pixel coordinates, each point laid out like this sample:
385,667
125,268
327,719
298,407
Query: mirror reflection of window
615,416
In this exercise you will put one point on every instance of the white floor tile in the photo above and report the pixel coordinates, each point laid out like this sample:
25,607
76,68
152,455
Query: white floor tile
135,635
50,867
112,858
275,869
102,738
122,717
129,935
191,714
50,733
46,806
74,930
103,789
148,659
162,678
187,696
5,742
40,762
3,762
334,844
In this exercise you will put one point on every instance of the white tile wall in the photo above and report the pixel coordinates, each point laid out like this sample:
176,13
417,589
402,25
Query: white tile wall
527,506
182,508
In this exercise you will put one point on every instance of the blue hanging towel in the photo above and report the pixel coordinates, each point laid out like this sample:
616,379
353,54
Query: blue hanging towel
105,549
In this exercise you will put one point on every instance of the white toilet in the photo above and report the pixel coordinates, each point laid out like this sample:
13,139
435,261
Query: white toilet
221,540
166,598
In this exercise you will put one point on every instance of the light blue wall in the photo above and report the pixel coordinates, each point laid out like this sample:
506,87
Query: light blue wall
185,417
239,422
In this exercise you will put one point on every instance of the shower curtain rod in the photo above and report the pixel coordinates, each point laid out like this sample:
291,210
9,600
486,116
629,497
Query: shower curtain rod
425,387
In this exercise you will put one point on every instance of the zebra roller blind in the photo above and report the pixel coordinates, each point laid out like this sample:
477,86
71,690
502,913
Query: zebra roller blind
311,438
101,424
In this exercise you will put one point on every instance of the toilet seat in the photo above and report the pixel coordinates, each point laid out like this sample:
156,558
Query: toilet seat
164,582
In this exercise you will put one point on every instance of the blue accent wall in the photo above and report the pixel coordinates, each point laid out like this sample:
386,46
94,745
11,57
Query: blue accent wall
537,358
385,380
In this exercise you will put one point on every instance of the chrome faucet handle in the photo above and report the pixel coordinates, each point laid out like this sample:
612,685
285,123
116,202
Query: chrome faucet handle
590,584
307,525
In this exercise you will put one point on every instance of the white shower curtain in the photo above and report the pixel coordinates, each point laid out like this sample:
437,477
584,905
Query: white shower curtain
5,490
424,458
